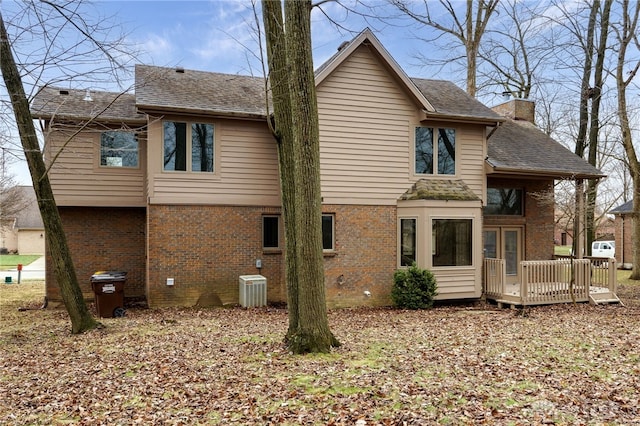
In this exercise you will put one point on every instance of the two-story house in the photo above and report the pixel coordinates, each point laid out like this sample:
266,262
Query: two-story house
177,184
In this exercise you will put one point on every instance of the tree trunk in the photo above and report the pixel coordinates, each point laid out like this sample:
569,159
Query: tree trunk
594,129
280,93
81,319
297,131
626,35
581,139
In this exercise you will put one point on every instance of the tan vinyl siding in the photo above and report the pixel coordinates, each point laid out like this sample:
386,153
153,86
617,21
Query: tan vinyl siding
459,282
367,127
471,154
245,167
78,180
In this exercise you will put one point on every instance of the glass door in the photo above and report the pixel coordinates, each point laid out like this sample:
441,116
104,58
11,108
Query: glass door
505,243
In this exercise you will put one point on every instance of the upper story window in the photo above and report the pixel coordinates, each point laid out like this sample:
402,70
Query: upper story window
119,149
435,151
504,201
188,146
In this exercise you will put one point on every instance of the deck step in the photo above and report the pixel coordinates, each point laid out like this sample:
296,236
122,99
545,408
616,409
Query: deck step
602,298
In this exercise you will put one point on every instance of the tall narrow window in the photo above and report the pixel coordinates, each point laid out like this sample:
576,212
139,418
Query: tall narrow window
119,149
270,232
188,147
201,147
435,156
452,242
446,151
407,242
424,150
328,237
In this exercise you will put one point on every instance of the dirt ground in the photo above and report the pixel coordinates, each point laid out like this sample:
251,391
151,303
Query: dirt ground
454,364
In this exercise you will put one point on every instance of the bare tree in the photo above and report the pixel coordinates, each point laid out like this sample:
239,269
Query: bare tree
626,70
295,127
466,27
69,42
515,51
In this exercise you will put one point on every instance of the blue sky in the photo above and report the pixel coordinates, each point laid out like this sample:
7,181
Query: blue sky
217,35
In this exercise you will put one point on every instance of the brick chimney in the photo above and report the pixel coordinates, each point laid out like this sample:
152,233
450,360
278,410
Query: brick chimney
517,109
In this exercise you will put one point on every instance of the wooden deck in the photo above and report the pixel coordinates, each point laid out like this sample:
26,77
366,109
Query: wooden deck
552,281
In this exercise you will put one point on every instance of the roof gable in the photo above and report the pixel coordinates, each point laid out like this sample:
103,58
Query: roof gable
366,37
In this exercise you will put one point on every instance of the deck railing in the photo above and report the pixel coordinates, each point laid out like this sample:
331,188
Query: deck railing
603,273
555,281
550,281
494,277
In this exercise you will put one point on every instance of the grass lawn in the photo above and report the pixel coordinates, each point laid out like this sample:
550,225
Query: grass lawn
454,364
562,250
11,261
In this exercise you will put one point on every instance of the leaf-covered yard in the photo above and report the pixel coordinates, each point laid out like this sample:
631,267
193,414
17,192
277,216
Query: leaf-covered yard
464,364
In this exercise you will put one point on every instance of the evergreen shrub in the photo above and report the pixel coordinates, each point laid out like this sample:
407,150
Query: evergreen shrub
413,288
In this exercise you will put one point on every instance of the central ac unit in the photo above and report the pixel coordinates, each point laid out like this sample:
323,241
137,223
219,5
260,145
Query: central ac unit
253,291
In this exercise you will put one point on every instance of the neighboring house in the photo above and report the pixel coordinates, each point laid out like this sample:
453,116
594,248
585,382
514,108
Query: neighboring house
624,234
605,229
23,232
178,184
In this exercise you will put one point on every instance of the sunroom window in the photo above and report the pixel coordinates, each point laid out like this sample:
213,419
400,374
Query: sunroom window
408,243
452,242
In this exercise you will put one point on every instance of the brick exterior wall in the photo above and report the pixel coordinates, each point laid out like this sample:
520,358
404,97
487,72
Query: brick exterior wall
624,240
215,245
517,109
102,239
538,216
365,256
205,249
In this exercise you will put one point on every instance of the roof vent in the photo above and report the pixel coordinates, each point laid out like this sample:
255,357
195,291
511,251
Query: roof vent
87,96
64,92
180,70
343,45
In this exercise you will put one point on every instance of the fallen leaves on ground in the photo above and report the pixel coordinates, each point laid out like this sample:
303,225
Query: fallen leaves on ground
460,364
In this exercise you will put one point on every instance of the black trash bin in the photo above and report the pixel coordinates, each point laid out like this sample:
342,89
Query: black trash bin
108,288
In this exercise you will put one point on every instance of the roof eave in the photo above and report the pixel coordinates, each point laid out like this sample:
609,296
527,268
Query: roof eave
75,117
551,174
155,109
462,118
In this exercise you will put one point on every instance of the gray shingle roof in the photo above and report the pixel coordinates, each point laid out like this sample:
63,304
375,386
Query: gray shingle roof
166,89
520,147
624,208
450,100
28,216
66,104
440,189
